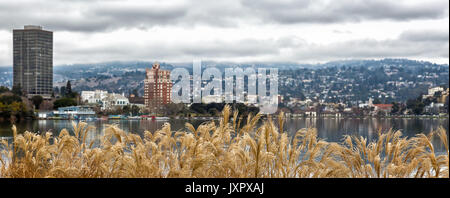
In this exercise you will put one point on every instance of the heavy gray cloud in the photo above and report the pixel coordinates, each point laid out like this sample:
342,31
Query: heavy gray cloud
314,11
426,36
169,51
86,16
409,44
109,15
259,30
89,16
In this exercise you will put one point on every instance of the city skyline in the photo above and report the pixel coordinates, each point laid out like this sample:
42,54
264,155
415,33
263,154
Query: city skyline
238,31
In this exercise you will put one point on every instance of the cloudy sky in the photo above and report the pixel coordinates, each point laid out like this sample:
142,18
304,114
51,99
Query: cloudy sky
302,31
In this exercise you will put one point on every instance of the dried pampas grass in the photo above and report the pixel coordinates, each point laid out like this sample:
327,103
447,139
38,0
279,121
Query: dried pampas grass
220,150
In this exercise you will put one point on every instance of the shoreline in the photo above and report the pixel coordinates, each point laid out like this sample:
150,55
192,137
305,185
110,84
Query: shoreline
217,118
286,117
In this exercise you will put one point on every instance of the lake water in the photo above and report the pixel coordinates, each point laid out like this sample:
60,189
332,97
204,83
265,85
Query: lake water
330,129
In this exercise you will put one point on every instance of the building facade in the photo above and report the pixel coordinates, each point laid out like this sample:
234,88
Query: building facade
107,101
93,97
114,100
432,91
158,87
33,61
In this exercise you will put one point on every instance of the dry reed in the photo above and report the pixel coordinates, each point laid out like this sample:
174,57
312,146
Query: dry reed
221,150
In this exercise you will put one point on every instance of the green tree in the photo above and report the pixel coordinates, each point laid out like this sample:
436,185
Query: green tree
17,90
64,102
69,92
14,110
8,99
68,88
416,106
135,110
213,111
4,110
376,101
395,108
18,108
3,89
125,110
37,100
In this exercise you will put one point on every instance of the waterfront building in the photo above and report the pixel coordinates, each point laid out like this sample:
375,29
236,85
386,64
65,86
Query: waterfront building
385,108
44,114
311,112
107,101
157,87
114,100
93,97
33,61
75,112
432,91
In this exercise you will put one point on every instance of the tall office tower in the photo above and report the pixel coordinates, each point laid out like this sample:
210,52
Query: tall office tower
157,87
33,60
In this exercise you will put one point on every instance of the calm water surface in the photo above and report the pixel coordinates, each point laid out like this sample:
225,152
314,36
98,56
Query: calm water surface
330,129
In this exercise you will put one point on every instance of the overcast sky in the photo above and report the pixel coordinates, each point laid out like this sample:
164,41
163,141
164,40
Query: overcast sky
302,31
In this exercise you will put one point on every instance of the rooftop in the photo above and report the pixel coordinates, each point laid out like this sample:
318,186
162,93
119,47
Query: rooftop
383,105
32,27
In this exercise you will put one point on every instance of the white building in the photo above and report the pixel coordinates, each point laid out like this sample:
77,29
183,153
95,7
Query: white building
114,100
311,113
93,97
348,109
434,108
432,91
105,99
367,104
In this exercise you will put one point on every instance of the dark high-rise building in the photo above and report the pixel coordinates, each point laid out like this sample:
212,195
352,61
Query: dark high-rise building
33,60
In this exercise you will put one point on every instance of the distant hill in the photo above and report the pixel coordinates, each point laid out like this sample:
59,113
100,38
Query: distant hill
326,79
354,82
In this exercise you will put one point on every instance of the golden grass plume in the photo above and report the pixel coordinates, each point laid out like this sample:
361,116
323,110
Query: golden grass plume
224,150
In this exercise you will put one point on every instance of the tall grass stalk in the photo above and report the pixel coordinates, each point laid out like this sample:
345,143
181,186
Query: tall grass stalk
225,149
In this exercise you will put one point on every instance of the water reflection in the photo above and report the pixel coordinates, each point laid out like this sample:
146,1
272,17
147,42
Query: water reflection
330,129
333,129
